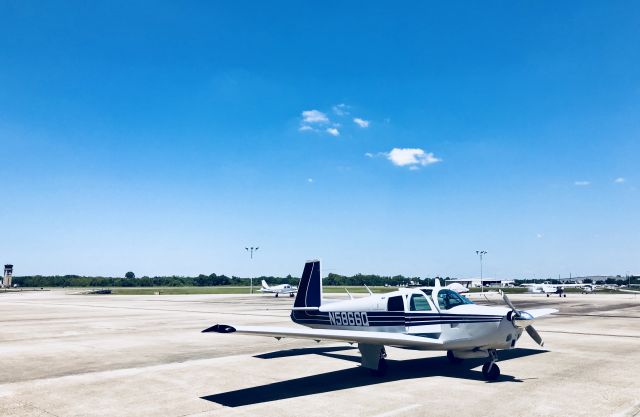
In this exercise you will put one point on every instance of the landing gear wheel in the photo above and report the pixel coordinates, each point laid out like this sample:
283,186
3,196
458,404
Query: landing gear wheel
452,359
547,295
382,368
276,295
565,295
290,295
491,371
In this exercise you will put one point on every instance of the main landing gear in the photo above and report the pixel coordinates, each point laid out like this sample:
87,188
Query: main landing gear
452,358
490,369
373,358
382,366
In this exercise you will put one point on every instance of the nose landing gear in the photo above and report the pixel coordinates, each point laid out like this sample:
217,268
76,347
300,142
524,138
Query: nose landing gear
490,369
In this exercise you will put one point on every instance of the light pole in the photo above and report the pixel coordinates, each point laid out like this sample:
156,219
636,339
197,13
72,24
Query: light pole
481,253
251,249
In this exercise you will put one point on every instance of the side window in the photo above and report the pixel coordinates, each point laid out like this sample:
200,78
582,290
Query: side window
419,303
395,304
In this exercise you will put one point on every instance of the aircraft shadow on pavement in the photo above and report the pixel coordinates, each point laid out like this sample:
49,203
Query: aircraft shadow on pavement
302,351
359,377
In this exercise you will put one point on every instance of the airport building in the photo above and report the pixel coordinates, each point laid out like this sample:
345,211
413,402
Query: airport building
477,283
8,273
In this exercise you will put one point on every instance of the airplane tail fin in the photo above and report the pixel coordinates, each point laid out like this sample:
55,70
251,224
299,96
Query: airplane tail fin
264,285
310,288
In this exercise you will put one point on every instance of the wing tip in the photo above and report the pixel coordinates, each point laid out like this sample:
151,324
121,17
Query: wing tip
219,328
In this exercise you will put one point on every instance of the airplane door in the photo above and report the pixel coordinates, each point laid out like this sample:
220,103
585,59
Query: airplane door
422,316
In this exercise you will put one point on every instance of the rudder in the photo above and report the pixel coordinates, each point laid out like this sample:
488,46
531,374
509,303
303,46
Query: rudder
310,288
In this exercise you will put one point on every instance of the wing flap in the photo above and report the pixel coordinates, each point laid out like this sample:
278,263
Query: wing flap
354,336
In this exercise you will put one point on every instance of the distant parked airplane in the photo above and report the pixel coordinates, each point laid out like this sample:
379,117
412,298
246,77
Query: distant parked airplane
557,288
457,287
279,289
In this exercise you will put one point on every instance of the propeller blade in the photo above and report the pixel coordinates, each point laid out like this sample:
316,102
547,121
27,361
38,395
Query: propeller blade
534,335
506,300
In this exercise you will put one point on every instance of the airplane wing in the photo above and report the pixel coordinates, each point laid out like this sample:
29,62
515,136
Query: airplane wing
352,336
539,312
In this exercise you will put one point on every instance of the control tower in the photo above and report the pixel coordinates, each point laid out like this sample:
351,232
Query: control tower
8,272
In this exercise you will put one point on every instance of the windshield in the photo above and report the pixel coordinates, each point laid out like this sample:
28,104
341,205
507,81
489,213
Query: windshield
448,299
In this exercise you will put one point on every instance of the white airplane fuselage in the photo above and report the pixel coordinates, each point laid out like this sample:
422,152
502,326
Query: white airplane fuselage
462,327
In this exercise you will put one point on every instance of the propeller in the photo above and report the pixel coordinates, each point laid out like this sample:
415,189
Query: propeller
519,318
534,335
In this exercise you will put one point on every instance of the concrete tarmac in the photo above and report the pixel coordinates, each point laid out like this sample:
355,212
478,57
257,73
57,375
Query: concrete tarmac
109,355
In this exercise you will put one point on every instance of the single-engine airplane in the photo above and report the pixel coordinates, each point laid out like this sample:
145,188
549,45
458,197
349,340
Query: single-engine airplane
432,318
279,289
558,289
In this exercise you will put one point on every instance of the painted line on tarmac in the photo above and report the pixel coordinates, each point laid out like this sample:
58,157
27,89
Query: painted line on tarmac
604,316
148,309
398,410
593,334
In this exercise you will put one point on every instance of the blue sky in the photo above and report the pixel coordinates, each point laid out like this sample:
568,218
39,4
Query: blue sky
390,138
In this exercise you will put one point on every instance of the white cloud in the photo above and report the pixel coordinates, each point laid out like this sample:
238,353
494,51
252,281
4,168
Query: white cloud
361,122
369,155
619,180
411,157
333,131
582,183
539,235
341,109
309,180
304,128
314,116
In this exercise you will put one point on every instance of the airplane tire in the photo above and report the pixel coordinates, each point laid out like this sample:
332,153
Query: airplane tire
565,296
276,295
452,359
547,295
291,295
490,375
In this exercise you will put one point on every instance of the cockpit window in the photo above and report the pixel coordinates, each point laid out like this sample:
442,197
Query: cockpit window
419,303
448,299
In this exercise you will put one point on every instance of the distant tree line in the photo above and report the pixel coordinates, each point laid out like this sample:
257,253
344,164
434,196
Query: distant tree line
203,281
215,280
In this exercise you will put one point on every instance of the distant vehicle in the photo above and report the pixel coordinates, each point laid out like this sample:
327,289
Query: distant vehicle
428,318
279,289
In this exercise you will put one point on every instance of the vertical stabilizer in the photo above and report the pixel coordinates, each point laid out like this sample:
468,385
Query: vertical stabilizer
265,285
310,288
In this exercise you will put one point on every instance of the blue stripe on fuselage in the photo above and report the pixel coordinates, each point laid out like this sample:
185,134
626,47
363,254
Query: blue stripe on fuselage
381,318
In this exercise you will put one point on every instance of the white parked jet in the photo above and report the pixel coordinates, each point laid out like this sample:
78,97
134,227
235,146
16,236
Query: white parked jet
279,289
422,319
